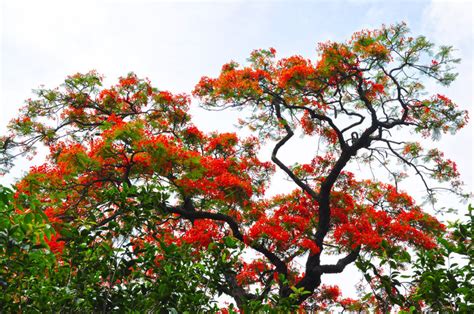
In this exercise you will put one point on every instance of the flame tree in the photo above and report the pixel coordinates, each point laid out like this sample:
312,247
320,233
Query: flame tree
137,208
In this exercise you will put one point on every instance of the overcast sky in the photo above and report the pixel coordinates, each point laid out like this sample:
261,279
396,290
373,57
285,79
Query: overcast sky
174,43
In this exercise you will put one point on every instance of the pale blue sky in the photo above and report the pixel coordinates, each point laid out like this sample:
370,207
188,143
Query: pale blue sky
174,43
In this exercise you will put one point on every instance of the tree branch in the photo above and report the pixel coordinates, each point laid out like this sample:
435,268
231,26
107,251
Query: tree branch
233,225
341,264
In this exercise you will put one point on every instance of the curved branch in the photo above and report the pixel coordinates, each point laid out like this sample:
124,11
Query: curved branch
321,117
233,225
279,163
418,172
341,264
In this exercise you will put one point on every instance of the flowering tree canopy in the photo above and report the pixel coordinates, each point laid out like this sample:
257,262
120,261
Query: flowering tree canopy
134,199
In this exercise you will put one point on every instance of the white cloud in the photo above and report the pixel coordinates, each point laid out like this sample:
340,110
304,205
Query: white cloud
450,21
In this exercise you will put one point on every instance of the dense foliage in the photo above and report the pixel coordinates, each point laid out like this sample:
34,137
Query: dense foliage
445,275
137,209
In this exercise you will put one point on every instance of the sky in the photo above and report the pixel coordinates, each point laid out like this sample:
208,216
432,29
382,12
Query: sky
174,43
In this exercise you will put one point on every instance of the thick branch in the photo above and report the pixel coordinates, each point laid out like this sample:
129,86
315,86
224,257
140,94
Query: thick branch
236,291
341,264
192,215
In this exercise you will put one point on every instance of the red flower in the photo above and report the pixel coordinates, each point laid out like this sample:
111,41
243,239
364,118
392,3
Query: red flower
54,245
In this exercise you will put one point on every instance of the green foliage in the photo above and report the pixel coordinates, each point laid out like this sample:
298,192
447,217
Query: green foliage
25,259
93,276
445,276
440,279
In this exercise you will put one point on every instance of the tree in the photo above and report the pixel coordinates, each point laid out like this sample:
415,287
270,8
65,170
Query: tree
141,200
